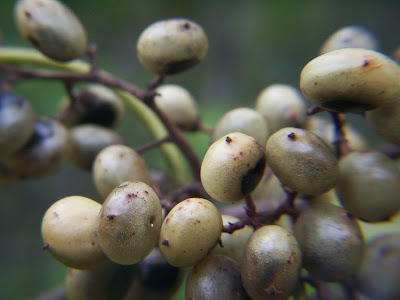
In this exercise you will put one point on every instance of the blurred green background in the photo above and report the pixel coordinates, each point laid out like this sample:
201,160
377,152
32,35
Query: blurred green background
252,44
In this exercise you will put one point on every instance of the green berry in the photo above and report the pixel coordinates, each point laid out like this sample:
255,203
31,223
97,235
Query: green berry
17,119
129,223
352,36
271,264
171,46
331,241
116,164
189,231
179,105
52,28
282,105
302,161
368,185
69,231
232,167
351,80
245,120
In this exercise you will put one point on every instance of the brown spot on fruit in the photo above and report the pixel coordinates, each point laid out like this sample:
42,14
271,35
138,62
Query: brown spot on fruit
228,140
165,243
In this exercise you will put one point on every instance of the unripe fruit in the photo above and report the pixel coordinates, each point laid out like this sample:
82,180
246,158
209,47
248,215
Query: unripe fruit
215,277
233,245
52,28
47,151
379,274
89,140
171,46
107,282
17,119
179,105
245,120
189,231
271,264
94,104
129,223
69,231
331,241
368,185
350,80
116,164
232,167
302,161
352,36
385,120
155,279
282,105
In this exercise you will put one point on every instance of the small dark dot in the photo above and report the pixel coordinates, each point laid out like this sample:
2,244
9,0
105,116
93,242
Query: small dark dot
28,15
289,262
365,63
241,153
186,26
152,218
228,140
111,217
349,215
45,246
131,195
165,243
56,214
133,233
146,192
167,220
93,243
292,136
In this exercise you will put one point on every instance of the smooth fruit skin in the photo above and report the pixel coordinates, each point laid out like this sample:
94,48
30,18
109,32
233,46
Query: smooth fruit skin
368,185
129,223
233,245
69,231
302,161
89,140
271,264
52,28
353,36
116,164
179,105
232,167
171,46
379,274
17,119
282,105
190,230
245,120
331,241
350,80
46,152
215,277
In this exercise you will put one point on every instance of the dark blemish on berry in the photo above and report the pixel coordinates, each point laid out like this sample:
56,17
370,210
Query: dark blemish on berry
198,221
179,66
146,192
93,243
166,220
241,153
131,195
165,243
365,63
111,217
186,26
228,140
180,208
56,214
28,15
292,136
45,246
315,83
34,41
253,176
122,185
133,233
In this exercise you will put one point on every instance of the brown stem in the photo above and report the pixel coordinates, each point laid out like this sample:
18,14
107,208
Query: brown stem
314,110
187,191
178,138
153,144
341,143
